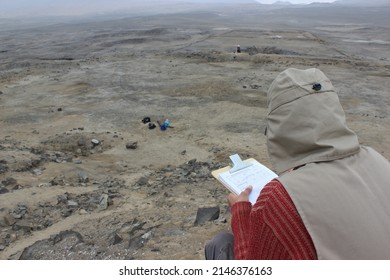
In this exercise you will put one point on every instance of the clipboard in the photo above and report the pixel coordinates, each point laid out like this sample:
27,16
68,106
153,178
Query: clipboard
242,174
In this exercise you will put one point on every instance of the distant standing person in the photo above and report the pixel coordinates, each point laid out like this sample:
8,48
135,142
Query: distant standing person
332,197
238,49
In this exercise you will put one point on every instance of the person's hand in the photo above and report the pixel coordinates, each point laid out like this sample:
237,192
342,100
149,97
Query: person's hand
243,196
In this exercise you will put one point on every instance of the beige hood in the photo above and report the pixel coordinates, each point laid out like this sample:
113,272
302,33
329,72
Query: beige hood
296,136
342,193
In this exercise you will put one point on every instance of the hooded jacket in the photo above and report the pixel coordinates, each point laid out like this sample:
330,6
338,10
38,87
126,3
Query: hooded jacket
340,189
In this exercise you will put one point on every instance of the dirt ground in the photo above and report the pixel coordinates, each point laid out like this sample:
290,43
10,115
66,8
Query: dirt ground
136,191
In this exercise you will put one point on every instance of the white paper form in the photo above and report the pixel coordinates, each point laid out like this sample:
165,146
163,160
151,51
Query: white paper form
256,175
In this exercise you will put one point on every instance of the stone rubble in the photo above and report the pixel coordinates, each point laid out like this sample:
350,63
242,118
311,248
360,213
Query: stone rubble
21,221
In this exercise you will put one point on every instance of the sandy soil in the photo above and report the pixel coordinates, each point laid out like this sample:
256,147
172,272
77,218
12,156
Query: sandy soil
135,194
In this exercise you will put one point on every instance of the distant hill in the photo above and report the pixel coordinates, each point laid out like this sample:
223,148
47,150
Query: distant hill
363,2
219,1
37,8
367,3
282,3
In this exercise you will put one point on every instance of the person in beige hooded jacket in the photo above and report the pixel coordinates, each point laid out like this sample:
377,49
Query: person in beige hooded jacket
339,189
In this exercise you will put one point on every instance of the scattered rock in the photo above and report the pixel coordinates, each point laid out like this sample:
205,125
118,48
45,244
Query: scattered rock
132,239
19,211
207,214
63,198
65,234
66,212
9,181
136,243
67,239
192,161
147,235
17,187
132,146
72,203
17,215
174,232
103,201
74,144
58,181
82,142
95,142
115,238
83,177
3,166
55,156
37,171
190,172
24,226
7,220
270,50
142,181
3,189
110,183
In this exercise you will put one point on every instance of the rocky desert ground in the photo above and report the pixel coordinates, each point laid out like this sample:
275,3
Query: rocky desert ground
82,177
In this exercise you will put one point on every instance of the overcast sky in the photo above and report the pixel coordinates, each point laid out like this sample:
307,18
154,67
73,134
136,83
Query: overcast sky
295,1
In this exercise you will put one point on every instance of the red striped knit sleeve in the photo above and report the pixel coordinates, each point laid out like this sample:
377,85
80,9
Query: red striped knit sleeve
271,229
241,227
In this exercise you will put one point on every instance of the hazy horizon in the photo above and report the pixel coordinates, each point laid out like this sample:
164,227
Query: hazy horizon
21,8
